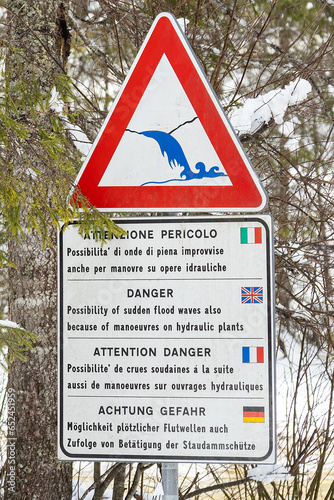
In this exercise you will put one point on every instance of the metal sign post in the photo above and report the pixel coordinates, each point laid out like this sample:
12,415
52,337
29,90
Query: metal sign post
170,481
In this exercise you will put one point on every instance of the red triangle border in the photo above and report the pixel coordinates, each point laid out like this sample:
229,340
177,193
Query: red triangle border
246,192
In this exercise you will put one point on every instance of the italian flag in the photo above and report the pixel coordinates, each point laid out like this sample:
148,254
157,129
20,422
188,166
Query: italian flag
250,235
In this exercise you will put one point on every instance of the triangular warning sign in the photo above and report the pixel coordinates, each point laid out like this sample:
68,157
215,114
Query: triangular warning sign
166,143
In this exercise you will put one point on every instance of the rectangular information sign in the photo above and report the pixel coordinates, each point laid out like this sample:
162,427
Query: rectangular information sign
166,341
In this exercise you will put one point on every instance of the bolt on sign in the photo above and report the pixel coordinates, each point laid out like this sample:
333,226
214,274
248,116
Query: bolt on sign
166,341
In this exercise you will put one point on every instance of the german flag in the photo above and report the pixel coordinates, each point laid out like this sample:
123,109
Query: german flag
253,414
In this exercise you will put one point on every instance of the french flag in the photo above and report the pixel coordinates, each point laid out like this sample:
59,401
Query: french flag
252,355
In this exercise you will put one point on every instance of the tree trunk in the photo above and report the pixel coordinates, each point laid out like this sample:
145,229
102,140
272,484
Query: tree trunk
118,490
39,42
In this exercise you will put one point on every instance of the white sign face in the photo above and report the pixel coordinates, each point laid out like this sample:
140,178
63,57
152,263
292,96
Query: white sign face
166,342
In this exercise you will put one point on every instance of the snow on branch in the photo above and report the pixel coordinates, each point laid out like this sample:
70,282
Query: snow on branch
255,113
80,139
269,473
5,323
183,22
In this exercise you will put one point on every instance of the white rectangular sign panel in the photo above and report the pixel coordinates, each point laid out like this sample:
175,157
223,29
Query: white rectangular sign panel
166,342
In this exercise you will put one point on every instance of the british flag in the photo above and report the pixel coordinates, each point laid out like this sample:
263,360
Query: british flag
252,295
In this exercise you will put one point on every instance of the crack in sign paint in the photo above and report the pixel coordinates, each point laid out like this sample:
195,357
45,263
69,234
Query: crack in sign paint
176,128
